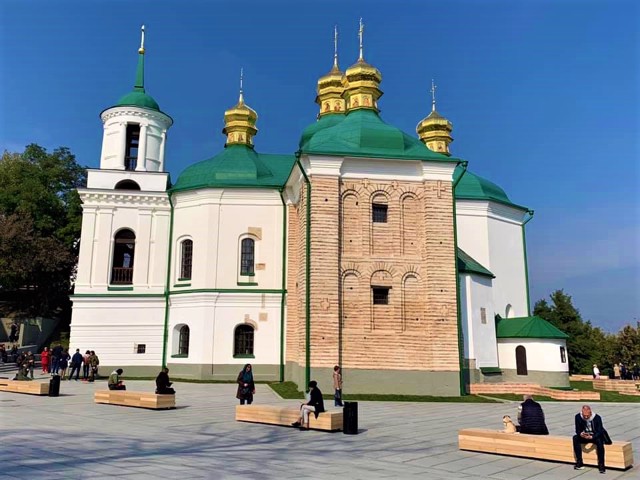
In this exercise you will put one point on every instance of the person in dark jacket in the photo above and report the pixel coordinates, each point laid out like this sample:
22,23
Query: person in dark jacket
246,387
531,417
163,385
315,405
76,363
589,429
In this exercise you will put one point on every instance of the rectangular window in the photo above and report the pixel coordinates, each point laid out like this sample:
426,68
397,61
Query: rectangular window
131,152
187,260
247,257
141,348
563,355
379,213
483,315
380,296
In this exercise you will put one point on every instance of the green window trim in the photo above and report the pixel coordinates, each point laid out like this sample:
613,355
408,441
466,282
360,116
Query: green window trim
180,355
184,279
181,285
490,370
244,355
248,284
119,289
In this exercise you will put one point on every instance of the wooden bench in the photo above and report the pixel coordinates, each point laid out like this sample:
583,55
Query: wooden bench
542,447
286,415
24,386
126,398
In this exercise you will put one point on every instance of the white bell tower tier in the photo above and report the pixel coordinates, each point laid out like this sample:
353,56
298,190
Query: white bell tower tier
133,142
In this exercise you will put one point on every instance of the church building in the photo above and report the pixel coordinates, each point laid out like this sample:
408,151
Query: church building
364,247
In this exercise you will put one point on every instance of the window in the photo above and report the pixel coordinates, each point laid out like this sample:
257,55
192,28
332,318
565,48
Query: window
379,213
127,185
380,296
131,149
247,257
521,360
483,315
563,355
186,262
183,342
141,348
243,341
123,256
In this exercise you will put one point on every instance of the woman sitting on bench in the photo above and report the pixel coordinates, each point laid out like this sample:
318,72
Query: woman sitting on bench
114,382
315,405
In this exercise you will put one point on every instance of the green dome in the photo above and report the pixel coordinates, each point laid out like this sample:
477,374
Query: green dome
237,166
138,99
474,187
363,133
325,121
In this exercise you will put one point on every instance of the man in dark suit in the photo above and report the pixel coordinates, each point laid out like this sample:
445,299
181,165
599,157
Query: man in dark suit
589,429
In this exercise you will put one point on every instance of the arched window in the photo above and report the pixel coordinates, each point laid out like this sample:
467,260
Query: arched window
123,256
521,360
186,259
243,341
127,185
131,149
183,342
247,257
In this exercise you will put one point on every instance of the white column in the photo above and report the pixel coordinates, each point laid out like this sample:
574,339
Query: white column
142,150
123,145
161,155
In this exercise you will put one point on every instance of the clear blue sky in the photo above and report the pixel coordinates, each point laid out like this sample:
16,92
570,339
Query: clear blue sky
543,97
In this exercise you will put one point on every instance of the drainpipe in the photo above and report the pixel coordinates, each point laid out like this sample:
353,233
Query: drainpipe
463,390
526,263
284,283
166,288
307,306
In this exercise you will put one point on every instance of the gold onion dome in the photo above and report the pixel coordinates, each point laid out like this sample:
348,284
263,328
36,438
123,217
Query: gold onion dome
330,87
362,82
240,122
435,130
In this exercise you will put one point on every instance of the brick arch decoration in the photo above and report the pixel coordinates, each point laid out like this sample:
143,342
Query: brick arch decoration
411,220
412,311
351,223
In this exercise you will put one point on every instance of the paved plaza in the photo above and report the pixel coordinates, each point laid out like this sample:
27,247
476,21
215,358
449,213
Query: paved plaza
70,437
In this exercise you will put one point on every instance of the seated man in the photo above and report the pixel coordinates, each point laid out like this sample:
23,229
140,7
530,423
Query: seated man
315,405
589,429
163,385
531,418
114,382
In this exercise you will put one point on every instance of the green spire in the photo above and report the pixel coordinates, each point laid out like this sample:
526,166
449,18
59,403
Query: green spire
139,86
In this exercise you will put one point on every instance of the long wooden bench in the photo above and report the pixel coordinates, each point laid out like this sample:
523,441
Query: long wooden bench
542,447
286,415
126,398
24,386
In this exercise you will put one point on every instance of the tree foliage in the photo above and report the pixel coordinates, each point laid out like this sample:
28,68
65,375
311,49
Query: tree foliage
40,219
588,345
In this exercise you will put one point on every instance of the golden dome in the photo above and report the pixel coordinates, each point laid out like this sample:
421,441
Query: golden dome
362,82
330,86
240,122
435,130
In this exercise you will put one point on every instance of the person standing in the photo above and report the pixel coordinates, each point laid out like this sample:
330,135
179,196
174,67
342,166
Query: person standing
31,363
94,362
246,387
163,385
56,353
589,429
45,357
13,335
114,382
596,372
337,386
63,363
76,363
636,372
315,405
531,417
616,371
86,365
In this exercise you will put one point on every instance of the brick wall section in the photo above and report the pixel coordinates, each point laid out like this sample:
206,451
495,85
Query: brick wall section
292,337
531,389
626,387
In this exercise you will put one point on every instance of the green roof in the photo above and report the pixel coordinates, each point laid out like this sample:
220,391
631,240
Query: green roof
138,99
325,121
466,264
363,133
237,166
527,327
474,187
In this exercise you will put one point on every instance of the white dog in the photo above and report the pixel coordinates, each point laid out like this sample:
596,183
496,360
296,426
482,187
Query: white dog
509,426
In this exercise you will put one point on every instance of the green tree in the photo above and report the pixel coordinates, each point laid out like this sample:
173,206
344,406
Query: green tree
626,347
40,219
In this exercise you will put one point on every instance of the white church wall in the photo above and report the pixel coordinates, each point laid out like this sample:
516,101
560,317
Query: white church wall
484,330
465,315
108,179
542,354
472,230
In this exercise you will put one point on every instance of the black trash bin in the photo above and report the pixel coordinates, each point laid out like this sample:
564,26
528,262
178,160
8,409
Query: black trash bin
350,418
54,386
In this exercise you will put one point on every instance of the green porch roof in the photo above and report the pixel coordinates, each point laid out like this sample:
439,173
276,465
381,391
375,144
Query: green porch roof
362,133
474,187
237,166
466,264
527,327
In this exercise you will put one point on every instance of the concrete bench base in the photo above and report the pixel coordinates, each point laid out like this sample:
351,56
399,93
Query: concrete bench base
286,415
24,386
542,447
125,398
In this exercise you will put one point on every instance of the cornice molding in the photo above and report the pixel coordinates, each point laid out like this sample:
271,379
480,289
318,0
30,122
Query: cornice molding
143,113
489,209
120,198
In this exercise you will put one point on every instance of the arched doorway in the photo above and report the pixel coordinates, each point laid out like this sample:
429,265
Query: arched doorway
521,360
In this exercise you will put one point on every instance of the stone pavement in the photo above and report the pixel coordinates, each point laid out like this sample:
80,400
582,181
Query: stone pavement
70,437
